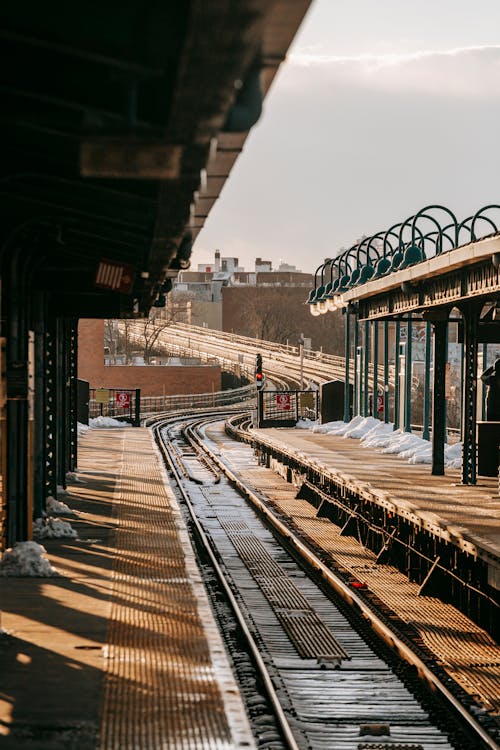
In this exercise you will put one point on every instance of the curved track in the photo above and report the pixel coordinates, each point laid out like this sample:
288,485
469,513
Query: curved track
326,684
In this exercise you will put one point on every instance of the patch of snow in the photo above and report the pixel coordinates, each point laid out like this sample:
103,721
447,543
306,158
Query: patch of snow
81,428
52,528
360,429
105,422
56,506
379,436
61,490
73,477
373,433
305,424
26,559
453,456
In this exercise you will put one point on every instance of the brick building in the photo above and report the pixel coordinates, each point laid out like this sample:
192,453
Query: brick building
153,380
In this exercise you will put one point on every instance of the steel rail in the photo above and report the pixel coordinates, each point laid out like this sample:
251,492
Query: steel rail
258,660
387,635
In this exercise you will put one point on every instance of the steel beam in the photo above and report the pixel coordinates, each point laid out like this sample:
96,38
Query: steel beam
470,313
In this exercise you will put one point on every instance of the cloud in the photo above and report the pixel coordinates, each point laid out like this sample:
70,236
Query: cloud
462,71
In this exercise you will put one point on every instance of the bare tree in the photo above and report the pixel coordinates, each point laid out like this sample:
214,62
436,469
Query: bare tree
142,338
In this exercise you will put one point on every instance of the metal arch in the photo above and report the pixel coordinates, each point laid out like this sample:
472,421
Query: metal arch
376,236
391,233
438,234
438,207
312,294
478,215
414,229
369,246
463,224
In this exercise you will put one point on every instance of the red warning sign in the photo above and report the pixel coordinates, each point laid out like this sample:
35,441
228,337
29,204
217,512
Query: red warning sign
283,401
123,399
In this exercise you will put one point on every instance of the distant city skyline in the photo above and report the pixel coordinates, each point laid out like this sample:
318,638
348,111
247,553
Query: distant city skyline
380,109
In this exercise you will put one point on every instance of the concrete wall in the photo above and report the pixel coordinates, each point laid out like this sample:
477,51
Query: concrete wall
153,380
207,314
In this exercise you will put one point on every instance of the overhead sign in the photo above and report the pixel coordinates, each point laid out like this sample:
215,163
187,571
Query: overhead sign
102,395
123,399
283,401
119,277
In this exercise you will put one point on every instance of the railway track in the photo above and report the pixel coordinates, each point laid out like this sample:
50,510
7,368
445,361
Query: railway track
314,672
282,363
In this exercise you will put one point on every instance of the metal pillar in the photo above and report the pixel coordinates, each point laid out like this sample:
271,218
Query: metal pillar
396,374
386,371
347,353
427,381
356,373
408,375
470,313
39,317
438,407
375,369
366,363
73,393
15,469
61,403
50,426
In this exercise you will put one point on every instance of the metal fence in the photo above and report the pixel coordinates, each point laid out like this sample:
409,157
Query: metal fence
285,408
108,402
118,403
155,404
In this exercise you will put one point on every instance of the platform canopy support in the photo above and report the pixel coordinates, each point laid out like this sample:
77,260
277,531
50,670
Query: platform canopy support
470,314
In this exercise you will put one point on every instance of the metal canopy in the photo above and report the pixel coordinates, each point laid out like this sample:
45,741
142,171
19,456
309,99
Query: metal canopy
109,116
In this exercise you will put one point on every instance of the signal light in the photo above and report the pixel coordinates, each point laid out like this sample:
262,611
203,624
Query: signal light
259,379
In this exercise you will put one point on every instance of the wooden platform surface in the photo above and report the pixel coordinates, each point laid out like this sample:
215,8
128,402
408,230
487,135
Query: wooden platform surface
121,649
468,516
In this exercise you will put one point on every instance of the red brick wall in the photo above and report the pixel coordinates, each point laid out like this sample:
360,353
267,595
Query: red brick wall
153,380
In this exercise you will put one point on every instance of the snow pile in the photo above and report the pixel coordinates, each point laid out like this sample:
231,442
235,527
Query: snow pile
379,436
453,456
305,424
52,528
56,506
26,559
72,476
81,429
376,434
105,422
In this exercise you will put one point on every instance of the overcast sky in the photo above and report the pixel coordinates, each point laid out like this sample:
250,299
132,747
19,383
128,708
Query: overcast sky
382,107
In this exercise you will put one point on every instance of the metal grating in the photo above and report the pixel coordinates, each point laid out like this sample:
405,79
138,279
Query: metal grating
306,630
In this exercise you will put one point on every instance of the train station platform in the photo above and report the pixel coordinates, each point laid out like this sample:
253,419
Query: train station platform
120,649
464,515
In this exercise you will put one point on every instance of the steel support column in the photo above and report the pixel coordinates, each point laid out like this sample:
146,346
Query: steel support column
50,426
375,369
15,469
427,381
366,363
73,393
356,373
470,313
386,371
396,374
39,318
347,353
408,374
438,406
